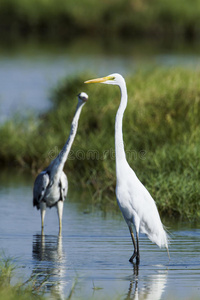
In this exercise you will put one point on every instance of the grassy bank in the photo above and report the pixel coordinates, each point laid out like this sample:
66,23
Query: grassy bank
161,134
65,19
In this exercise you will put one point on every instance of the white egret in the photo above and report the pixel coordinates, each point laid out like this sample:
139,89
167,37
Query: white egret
51,185
135,202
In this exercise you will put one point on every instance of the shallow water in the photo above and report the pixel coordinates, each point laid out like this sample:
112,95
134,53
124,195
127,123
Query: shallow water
93,251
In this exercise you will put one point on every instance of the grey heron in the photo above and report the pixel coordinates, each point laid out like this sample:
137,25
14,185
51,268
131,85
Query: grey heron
51,185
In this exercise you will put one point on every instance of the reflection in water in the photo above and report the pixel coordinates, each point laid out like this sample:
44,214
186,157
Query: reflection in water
90,243
49,263
152,290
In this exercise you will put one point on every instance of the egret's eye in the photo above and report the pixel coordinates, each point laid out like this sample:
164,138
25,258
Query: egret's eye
112,78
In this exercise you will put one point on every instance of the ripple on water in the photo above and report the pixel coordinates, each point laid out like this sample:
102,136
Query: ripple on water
95,251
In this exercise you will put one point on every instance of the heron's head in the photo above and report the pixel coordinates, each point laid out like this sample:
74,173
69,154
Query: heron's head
114,79
83,97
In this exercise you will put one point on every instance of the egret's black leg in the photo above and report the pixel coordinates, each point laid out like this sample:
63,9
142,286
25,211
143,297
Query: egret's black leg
134,244
138,252
135,269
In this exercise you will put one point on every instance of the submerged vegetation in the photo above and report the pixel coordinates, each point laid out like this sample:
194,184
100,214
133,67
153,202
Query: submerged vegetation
161,134
66,19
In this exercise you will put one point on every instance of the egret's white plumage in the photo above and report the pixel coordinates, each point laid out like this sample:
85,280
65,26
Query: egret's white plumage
51,185
135,202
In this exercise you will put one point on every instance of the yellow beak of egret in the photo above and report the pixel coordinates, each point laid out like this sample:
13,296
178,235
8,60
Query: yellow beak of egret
99,80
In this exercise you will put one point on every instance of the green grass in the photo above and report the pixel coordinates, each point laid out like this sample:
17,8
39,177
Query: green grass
19,291
65,19
32,288
161,134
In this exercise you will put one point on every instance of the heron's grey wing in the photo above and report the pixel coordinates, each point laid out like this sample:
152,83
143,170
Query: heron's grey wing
64,186
39,189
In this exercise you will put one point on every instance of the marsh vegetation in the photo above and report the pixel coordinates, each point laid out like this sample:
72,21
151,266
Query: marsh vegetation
19,290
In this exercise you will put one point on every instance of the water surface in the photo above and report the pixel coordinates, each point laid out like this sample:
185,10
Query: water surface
94,250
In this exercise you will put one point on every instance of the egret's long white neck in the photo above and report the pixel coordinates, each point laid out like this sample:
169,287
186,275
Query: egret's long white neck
57,164
120,155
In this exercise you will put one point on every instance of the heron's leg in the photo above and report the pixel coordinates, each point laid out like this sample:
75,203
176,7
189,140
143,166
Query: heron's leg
60,213
42,212
134,244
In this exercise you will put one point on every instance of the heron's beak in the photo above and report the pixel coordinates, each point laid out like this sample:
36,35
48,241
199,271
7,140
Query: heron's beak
99,80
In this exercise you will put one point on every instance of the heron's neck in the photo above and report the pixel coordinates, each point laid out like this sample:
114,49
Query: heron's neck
120,155
57,164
